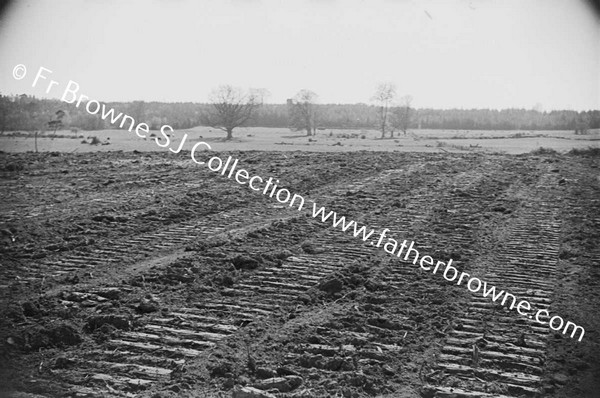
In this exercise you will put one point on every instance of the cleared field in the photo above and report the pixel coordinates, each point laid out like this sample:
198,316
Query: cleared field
141,274
272,139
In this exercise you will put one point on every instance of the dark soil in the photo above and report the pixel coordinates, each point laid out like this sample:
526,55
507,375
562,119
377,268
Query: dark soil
303,309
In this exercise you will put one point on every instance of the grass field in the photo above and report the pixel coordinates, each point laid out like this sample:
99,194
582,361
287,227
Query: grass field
278,139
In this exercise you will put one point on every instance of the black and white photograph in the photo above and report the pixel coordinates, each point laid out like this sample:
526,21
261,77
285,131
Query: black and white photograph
300,199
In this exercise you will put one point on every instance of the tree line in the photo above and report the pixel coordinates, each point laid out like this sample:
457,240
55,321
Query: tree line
302,112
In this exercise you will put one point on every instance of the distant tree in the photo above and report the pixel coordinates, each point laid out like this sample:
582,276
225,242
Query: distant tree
582,123
232,107
302,111
138,111
4,110
56,122
383,98
402,114
27,113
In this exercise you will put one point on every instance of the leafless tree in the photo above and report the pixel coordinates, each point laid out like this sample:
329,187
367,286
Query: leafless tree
302,111
4,110
402,114
383,98
56,122
233,107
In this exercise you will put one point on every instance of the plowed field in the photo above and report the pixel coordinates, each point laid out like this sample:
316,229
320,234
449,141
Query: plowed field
144,275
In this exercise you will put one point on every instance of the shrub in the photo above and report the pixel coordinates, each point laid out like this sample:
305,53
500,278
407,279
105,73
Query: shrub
543,151
586,152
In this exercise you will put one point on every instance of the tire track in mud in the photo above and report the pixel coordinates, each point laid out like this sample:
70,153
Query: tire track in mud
157,351
459,227
578,280
379,344
169,238
144,245
375,345
371,347
151,353
110,198
137,358
493,351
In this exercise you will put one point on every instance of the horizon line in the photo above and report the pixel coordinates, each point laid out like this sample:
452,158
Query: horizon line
323,104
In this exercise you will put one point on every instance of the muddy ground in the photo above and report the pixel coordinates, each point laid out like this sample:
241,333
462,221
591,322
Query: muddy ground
142,274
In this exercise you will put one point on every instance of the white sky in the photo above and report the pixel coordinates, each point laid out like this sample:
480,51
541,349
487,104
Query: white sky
445,53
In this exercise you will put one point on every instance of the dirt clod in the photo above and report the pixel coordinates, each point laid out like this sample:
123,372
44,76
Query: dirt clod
118,321
560,378
245,262
265,373
63,363
311,248
331,286
147,306
61,334
30,309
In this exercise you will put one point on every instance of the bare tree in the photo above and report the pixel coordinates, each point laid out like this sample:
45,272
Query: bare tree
4,110
383,97
402,114
233,107
56,122
302,110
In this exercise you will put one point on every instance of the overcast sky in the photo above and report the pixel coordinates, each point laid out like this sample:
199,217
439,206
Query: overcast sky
445,53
